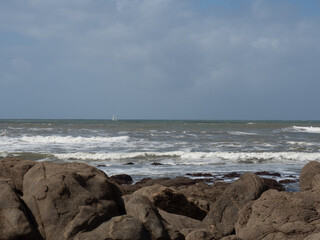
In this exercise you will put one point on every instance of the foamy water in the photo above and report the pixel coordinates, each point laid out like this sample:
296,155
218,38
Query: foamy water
179,147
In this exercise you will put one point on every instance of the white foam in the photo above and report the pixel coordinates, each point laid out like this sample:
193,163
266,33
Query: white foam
196,158
301,143
241,133
116,156
302,129
3,154
65,139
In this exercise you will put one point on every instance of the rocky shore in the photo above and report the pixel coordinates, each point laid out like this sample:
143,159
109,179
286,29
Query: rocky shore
49,201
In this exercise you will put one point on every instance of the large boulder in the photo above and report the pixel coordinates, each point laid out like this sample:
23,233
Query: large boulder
14,219
280,215
224,212
69,198
308,174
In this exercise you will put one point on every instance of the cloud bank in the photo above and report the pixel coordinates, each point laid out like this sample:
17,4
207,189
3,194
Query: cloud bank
169,59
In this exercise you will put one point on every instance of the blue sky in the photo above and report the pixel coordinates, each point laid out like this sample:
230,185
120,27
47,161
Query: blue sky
160,59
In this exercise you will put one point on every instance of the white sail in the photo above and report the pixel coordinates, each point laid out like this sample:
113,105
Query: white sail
114,118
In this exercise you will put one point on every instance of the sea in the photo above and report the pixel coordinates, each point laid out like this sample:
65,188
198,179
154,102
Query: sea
166,148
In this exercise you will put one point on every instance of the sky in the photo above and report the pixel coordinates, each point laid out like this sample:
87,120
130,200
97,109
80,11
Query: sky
160,59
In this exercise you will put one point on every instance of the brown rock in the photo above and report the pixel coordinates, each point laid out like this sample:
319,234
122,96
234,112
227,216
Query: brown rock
203,194
123,227
141,208
315,236
224,213
15,169
231,237
200,234
171,201
308,172
179,221
280,215
69,198
14,220
168,182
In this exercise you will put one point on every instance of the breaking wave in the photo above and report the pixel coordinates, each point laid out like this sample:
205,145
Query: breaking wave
302,129
193,158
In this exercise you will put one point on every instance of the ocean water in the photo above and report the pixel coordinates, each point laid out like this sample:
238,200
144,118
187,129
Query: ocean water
180,147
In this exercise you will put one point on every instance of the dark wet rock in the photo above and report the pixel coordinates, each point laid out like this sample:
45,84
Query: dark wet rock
156,164
273,184
285,181
123,227
199,174
265,173
66,199
291,176
307,175
122,179
232,175
129,163
224,212
280,215
15,222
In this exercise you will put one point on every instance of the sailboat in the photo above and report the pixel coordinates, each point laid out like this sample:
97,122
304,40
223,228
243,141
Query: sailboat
114,118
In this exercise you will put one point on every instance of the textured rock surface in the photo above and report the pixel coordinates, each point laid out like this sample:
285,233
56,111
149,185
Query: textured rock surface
280,215
199,234
224,213
141,208
179,221
123,227
173,202
14,222
14,169
307,175
68,198
43,200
